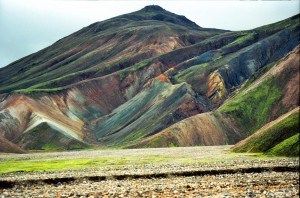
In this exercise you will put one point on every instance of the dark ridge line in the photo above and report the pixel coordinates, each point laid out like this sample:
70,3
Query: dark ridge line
10,184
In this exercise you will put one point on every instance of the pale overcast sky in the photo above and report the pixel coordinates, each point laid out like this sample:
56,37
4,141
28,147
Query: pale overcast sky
27,26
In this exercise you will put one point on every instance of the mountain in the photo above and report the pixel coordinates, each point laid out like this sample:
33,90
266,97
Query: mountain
150,78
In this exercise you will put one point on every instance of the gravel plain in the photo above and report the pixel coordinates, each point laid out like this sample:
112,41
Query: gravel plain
223,175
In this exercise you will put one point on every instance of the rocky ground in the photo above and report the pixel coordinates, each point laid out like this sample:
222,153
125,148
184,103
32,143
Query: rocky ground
238,177
265,184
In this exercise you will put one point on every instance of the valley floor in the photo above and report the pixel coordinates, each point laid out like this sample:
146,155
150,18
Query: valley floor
164,172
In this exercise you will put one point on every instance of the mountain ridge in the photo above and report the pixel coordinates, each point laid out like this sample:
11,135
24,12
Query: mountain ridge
73,56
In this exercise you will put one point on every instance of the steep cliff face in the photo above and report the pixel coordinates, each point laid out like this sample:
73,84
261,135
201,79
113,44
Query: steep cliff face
149,78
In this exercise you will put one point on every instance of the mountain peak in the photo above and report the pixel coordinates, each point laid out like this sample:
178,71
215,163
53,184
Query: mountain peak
155,12
153,8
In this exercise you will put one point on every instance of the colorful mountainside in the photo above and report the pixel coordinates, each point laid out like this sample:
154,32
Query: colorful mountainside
150,78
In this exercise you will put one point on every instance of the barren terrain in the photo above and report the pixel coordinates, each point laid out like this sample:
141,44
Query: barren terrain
210,171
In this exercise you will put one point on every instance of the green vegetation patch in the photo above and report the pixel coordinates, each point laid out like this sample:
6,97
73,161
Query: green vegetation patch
156,142
288,147
31,91
190,72
63,161
277,136
161,141
246,37
136,67
252,109
26,165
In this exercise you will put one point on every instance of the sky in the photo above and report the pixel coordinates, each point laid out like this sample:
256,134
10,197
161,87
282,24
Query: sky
27,26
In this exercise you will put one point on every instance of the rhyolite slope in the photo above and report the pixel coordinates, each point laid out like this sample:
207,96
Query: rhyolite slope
270,93
150,79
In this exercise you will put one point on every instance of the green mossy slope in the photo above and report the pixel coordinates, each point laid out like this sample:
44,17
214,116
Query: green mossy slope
252,110
279,139
288,147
